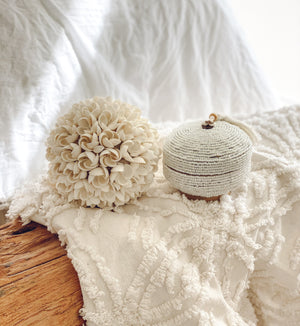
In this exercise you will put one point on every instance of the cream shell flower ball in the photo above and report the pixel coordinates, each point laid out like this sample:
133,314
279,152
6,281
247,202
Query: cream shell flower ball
102,153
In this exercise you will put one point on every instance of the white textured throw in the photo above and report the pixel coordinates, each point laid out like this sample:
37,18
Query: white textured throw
165,260
207,162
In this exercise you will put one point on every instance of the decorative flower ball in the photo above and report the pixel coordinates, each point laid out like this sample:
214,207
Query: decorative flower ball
102,153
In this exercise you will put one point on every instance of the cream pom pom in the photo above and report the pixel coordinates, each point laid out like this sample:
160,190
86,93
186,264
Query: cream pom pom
102,153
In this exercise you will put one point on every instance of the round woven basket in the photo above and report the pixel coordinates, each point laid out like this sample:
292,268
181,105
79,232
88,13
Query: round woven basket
207,162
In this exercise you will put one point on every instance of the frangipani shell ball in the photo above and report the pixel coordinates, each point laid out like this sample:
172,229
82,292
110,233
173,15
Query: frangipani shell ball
102,153
209,159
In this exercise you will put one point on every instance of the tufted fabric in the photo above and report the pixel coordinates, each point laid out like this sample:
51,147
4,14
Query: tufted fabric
166,260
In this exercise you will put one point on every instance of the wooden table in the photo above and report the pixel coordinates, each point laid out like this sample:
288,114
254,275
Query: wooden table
38,284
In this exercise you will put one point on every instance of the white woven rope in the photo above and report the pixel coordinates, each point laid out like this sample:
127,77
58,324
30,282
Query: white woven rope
208,162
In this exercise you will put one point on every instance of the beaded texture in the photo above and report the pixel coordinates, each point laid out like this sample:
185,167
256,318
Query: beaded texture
207,162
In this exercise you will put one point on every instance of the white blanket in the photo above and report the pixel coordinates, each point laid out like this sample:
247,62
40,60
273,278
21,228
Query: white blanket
173,59
167,260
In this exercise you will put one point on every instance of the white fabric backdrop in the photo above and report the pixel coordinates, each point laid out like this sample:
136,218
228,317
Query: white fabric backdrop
173,59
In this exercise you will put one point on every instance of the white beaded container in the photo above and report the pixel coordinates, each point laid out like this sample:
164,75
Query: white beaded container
207,162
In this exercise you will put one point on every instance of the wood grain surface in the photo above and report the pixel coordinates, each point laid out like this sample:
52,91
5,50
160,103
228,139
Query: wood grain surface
38,284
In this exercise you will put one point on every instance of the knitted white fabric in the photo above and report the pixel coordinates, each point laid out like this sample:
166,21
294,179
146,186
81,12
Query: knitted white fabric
207,162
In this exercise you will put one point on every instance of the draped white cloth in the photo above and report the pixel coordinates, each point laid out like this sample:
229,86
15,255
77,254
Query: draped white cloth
173,59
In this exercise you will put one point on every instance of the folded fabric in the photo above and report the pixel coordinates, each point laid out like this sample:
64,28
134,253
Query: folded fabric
166,260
